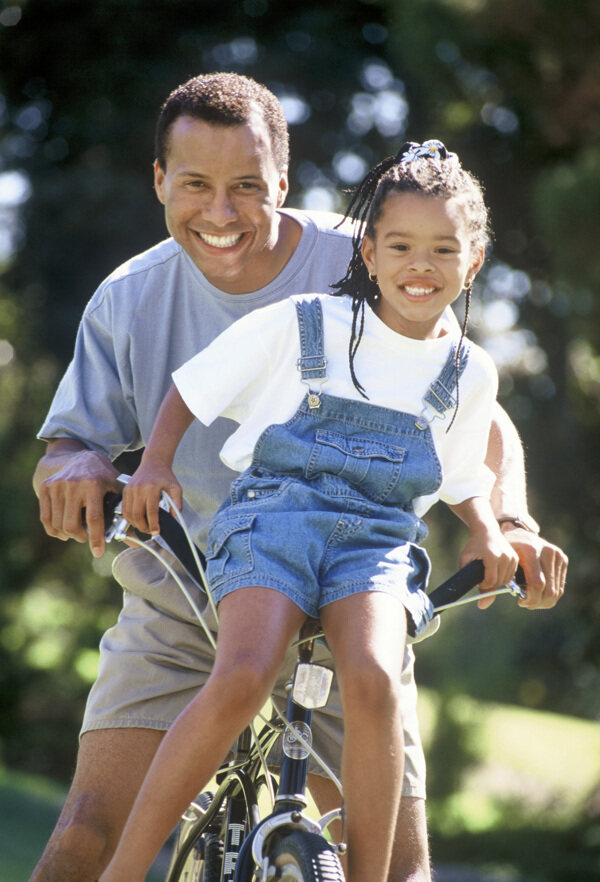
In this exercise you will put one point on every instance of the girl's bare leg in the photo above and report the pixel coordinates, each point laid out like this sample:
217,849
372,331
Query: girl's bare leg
255,627
367,633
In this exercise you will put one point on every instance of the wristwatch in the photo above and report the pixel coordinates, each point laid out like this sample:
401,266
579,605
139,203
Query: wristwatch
530,525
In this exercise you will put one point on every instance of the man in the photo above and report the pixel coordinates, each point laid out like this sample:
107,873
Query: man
221,173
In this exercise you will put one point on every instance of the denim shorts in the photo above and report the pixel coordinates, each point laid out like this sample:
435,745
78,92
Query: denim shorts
156,657
315,542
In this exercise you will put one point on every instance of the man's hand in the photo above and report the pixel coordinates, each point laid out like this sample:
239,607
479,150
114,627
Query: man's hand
544,565
71,482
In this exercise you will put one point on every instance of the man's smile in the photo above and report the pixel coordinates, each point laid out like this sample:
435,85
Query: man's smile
220,241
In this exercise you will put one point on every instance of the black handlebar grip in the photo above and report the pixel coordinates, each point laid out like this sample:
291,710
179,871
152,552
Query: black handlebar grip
463,581
459,584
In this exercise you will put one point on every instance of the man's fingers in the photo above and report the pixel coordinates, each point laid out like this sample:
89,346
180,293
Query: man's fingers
551,571
47,512
94,517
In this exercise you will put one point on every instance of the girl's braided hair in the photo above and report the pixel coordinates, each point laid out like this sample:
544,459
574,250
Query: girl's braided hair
428,169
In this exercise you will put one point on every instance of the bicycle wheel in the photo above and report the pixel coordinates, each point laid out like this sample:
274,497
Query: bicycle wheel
305,857
198,853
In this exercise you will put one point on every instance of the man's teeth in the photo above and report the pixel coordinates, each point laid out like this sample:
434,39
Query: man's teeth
221,241
418,292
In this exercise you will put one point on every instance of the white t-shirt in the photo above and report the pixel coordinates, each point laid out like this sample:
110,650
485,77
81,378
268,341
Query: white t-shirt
250,375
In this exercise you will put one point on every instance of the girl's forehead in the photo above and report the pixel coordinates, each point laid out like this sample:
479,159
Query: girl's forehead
412,210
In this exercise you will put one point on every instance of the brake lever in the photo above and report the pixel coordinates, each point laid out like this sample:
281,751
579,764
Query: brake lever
115,524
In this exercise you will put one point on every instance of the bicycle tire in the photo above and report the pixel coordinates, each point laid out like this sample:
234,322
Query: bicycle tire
198,853
305,857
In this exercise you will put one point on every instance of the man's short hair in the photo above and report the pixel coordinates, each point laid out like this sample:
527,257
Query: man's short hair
225,99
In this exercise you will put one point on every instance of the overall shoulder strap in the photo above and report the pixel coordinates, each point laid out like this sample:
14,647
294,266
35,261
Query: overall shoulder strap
440,395
312,362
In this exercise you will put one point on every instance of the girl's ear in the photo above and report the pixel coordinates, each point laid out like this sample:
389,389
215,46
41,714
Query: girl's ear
476,264
367,250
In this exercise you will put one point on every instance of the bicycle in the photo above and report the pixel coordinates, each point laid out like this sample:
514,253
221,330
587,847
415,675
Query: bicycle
222,836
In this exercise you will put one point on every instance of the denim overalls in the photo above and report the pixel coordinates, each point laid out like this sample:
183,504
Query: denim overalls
326,508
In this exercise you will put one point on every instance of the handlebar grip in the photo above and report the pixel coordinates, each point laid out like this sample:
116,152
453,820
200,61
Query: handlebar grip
463,581
459,584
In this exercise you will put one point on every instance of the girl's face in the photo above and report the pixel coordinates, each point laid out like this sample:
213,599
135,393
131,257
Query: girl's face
422,257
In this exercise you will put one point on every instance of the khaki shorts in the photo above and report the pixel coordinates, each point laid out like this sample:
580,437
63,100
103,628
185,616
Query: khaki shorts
156,657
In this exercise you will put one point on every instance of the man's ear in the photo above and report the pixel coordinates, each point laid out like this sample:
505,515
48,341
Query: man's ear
284,186
159,181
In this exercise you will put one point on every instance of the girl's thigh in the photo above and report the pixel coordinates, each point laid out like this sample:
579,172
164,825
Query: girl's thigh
367,628
256,625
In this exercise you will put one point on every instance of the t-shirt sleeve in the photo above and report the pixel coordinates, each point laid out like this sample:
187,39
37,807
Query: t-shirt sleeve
94,400
464,469
226,377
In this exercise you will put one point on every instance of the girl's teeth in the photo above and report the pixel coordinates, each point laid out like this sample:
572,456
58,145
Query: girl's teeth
418,292
221,241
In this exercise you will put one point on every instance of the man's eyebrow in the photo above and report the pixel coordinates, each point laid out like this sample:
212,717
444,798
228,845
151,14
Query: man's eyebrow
190,173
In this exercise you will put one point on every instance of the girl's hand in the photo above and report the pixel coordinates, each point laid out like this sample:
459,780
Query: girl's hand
142,495
499,559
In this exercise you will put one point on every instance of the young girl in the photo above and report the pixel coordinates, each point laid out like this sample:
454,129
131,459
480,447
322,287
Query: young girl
325,518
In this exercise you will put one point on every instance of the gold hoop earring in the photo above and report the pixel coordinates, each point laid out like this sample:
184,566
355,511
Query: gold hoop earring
373,278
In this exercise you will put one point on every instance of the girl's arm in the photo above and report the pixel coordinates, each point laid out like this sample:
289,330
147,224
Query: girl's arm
142,494
486,543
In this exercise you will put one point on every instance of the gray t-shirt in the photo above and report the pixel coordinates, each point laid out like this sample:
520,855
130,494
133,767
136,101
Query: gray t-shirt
147,318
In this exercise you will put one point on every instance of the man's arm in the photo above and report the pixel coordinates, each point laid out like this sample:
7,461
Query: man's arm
68,479
544,564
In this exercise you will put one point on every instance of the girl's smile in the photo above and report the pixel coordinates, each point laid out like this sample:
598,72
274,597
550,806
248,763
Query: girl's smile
422,257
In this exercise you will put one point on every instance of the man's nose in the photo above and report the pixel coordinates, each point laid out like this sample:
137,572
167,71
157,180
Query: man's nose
220,208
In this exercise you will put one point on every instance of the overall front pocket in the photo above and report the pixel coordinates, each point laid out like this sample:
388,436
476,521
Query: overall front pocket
229,551
371,466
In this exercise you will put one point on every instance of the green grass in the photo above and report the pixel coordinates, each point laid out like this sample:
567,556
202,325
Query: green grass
529,802
538,766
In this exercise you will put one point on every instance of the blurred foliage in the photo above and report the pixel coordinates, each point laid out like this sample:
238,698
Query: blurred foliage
514,88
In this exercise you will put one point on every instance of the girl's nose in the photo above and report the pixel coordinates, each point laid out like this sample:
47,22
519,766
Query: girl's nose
420,261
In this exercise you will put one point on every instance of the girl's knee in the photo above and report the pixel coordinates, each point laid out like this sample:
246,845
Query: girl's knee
372,687
247,685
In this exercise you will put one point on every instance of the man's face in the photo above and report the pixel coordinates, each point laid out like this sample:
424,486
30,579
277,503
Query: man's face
221,189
